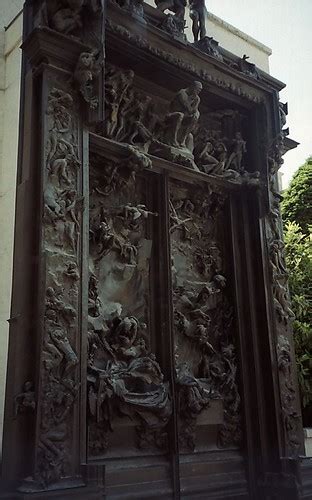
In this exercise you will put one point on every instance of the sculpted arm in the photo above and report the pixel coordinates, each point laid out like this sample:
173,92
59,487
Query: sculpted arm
184,101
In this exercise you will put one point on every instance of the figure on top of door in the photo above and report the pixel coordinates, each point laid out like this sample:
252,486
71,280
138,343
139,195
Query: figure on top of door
197,13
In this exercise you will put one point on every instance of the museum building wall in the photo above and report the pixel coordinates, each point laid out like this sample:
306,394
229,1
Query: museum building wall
10,68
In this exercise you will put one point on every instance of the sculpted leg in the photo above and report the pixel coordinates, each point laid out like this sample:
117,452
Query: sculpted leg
195,26
202,24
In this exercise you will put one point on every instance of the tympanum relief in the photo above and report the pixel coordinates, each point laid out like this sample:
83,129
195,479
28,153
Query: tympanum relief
205,356
128,398
178,131
218,155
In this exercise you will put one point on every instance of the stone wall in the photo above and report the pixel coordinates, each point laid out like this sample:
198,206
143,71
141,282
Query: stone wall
10,66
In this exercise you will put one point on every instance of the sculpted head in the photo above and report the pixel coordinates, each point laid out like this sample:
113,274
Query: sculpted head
50,292
86,58
129,75
220,280
196,87
51,315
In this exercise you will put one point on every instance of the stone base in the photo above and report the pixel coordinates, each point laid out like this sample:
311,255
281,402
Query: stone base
182,156
209,46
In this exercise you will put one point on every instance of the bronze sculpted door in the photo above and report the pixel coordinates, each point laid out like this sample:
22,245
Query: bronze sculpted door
163,375
163,346
150,344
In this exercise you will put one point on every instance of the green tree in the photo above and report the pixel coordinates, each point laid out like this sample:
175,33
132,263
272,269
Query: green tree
299,263
297,217
297,203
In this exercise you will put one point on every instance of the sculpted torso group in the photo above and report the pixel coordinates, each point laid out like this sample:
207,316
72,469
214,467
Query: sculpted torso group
197,13
178,132
68,18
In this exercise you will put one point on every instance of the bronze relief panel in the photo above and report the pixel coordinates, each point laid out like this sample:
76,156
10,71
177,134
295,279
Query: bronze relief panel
129,402
204,327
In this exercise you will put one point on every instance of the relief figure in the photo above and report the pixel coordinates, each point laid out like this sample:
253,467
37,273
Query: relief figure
183,117
197,14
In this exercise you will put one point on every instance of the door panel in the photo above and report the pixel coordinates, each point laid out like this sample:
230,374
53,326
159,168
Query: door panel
163,397
129,402
204,327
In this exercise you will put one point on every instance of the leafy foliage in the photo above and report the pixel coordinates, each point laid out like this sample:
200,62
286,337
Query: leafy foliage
299,263
297,216
297,203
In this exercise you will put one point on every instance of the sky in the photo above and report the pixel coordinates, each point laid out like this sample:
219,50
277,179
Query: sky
285,27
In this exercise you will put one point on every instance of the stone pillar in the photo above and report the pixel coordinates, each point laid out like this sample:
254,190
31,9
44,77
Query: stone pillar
46,380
